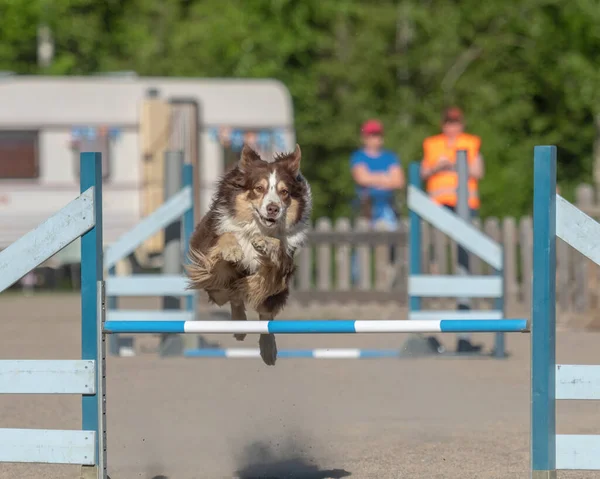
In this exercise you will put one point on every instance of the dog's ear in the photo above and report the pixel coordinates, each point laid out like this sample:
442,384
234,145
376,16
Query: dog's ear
293,160
248,157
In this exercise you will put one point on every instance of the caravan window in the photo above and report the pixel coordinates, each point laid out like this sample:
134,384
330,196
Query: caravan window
19,154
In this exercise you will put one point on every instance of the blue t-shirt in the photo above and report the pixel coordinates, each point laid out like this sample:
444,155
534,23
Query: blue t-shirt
381,199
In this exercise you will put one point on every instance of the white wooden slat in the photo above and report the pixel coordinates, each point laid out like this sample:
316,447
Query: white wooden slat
143,315
148,285
459,230
47,377
577,229
47,239
578,381
48,446
578,452
168,212
463,315
447,286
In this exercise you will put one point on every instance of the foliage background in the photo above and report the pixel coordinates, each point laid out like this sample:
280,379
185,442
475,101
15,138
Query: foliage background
526,72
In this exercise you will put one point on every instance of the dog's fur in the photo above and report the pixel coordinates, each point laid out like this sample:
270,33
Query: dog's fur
242,251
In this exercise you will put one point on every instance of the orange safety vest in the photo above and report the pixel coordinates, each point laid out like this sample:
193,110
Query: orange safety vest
442,187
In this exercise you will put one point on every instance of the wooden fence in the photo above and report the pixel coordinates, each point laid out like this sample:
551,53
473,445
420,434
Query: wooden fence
325,267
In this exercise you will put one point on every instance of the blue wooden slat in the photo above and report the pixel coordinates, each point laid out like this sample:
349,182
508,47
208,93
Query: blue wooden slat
91,274
48,446
578,452
441,286
415,236
41,243
464,315
543,340
578,381
148,285
172,209
147,315
47,377
577,229
460,231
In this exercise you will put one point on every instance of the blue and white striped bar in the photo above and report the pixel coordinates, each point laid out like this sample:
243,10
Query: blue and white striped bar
338,353
317,327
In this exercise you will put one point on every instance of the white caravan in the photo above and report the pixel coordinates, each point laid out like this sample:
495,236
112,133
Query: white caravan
46,121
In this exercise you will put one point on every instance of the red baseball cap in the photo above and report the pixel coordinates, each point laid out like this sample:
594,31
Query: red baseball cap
372,127
453,114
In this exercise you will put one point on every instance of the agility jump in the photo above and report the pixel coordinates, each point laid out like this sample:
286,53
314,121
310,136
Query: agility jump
553,216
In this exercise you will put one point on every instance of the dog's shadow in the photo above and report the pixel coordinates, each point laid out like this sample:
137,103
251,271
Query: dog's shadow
289,469
261,462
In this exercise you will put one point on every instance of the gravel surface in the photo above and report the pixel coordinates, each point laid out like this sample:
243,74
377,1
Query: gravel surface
182,418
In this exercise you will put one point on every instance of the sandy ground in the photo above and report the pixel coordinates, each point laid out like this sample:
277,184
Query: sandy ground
180,418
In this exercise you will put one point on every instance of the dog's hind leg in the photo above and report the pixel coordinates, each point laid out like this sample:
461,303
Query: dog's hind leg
238,313
266,312
267,344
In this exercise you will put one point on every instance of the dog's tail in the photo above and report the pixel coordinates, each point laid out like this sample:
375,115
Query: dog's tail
199,270
207,272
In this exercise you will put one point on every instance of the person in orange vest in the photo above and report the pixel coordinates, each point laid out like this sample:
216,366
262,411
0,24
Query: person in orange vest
438,171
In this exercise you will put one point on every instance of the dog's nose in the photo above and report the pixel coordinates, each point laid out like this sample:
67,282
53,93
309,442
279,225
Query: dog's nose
272,209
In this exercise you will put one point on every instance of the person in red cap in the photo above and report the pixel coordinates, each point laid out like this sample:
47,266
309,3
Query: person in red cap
378,174
438,170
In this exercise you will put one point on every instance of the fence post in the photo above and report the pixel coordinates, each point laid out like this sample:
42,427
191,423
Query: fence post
114,343
543,316
172,265
464,212
190,341
188,226
92,308
414,178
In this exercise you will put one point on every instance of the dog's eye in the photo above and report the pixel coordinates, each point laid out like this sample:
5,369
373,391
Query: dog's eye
259,188
284,192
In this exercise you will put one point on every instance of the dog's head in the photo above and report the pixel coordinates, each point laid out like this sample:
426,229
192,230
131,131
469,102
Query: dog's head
273,194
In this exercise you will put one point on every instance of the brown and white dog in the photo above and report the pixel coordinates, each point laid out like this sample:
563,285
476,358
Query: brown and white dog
242,251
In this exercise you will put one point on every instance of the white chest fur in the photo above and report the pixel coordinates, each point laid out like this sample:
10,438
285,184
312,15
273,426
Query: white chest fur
244,232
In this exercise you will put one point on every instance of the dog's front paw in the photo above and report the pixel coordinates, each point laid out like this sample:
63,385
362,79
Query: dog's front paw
232,254
266,246
268,349
260,244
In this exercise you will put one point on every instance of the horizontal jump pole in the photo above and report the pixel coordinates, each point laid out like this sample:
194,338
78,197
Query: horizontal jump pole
455,227
47,239
448,286
317,327
340,353
425,315
148,285
172,209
